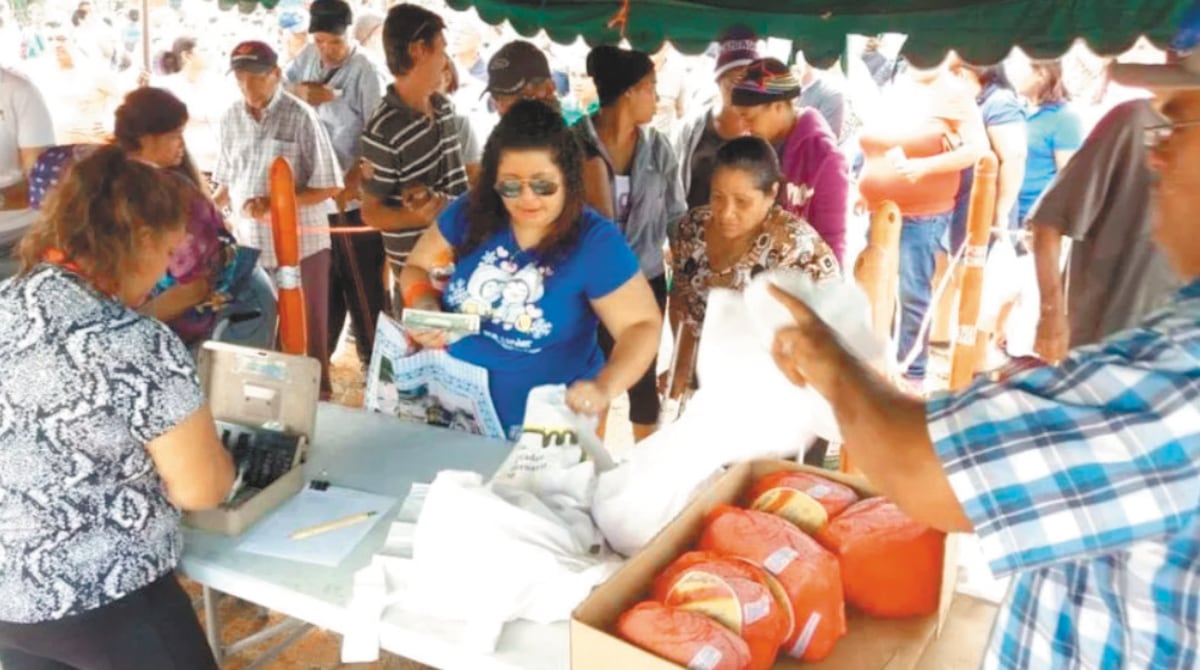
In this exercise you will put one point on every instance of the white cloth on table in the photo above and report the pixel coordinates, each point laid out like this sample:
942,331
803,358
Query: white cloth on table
522,546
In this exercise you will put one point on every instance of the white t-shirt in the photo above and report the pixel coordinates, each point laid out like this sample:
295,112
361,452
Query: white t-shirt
623,192
24,123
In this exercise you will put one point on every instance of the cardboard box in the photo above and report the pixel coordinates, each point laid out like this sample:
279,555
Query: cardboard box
255,387
869,643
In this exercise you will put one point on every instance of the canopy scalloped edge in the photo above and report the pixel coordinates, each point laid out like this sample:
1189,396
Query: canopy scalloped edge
981,31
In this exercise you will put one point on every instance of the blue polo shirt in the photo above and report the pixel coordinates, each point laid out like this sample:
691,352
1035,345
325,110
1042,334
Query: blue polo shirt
1052,128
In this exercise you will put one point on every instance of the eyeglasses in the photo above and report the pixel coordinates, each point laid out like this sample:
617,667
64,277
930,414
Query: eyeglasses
1156,136
511,189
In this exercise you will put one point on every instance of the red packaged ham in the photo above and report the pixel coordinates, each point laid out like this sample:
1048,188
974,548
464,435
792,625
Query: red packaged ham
807,500
891,565
807,572
688,638
736,593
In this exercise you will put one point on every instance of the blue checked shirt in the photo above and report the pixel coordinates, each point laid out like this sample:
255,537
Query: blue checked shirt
1083,480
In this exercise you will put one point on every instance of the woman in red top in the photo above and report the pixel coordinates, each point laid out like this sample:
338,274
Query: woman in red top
915,155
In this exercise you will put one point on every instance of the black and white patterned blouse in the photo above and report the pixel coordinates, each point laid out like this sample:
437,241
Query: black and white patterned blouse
85,384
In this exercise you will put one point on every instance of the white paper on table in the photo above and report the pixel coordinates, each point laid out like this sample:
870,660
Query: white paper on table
272,535
428,386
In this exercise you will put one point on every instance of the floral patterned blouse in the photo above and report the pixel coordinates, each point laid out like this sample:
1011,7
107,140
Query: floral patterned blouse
785,241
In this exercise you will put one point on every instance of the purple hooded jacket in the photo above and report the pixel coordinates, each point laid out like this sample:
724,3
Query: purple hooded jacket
816,179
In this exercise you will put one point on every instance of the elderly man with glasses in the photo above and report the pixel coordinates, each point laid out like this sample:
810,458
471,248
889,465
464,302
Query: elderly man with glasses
1080,479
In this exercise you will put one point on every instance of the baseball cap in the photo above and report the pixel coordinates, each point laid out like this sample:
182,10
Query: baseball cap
254,57
514,66
329,16
738,47
767,80
1182,70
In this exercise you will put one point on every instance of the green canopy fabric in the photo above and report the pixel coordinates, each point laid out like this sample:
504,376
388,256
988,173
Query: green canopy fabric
982,31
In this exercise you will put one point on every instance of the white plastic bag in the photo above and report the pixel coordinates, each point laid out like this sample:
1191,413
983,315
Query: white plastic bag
489,554
549,458
745,407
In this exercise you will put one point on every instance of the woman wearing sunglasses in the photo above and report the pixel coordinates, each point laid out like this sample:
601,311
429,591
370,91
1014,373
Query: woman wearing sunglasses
542,271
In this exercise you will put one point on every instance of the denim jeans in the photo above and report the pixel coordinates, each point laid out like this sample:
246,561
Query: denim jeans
920,240
250,319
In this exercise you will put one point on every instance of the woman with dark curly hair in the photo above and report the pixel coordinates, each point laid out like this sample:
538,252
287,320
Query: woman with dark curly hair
541,269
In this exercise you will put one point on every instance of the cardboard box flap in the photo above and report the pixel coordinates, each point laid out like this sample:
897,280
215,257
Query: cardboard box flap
258,387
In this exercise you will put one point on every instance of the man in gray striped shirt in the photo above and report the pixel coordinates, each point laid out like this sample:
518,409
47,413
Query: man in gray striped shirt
412,159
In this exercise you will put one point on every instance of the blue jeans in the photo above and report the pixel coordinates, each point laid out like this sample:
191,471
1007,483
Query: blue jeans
920,240
250,319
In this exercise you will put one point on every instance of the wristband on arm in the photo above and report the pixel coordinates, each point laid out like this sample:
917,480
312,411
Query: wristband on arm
417,291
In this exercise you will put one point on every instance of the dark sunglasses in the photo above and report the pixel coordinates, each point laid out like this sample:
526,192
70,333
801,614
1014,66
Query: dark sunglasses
510,189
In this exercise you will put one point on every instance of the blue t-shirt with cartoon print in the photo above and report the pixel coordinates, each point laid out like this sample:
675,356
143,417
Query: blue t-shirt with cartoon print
538,326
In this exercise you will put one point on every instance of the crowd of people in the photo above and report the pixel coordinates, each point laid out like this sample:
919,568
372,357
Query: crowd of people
577,200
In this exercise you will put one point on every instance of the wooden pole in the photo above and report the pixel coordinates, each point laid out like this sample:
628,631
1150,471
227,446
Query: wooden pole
293,319
877,270
980,216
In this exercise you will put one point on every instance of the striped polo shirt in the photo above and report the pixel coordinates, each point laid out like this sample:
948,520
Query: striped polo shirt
402,148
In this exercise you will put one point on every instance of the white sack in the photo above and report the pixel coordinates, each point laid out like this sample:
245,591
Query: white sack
492,554
745,408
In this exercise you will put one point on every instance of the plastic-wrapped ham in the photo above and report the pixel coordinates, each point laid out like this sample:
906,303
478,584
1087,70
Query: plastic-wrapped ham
807,500
688,638
807,572
738,594
891,565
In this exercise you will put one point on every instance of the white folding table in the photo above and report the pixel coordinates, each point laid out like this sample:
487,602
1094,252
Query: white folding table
383,455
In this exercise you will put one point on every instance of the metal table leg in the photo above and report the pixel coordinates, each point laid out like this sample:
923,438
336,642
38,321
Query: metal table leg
212,622
289,629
